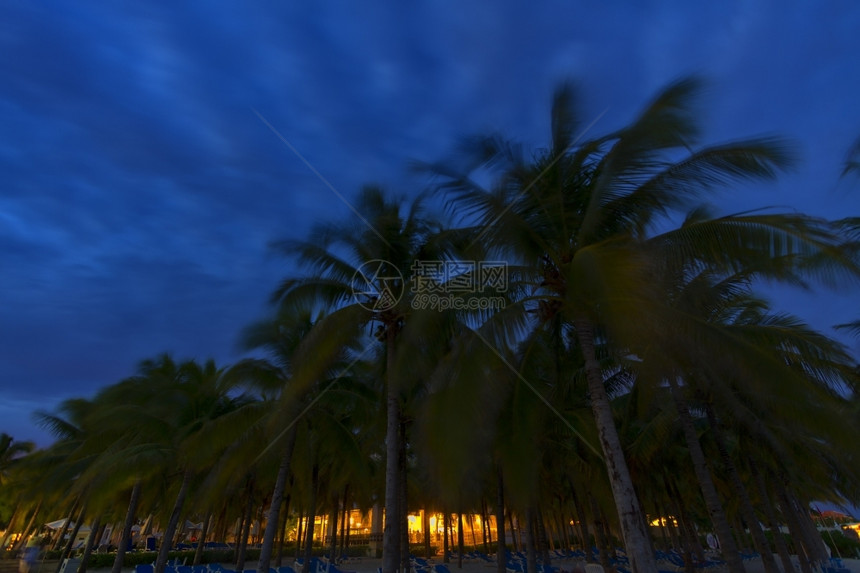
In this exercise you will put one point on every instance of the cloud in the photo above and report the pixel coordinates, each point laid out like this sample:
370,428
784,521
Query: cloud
139,191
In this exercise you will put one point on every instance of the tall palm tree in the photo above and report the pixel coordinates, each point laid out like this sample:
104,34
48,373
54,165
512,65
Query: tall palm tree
91,435
717,313
282,338
360,273
577,218
131,440
189,398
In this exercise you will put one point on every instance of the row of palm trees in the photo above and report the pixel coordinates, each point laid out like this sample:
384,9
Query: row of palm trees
631,372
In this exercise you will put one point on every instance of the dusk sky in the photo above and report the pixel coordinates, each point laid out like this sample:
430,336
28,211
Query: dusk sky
139,190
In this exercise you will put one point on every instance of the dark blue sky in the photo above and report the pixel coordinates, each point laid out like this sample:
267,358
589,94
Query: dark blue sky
139,190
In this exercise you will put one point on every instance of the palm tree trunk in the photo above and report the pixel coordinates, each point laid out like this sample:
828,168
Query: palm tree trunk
68,547
272,520
299,537
472,531
445,526
820,548
26,530
346,540
344,523
678,540
279,555
172,522
563,528
333,530
391,532
709,491
201,541
126,529
804,557
741,537
237,531
584,533
309,530
146,528
62,533
531,550
245,530
773,521
257,524
501,564
425,525
607,537
459,538
9,527
402,501
513,531
599,533
630,516
221,525
485,526
746,505
804,529
542,537
688,529
664,525
91,540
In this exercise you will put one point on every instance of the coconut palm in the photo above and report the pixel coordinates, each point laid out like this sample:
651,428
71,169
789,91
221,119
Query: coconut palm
282,338
755,348
188,398
580,217
84,458
360,273
281,341
131,439
66,461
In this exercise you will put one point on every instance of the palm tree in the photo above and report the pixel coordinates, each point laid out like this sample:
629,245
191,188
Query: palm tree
283,339
131,440
189,398
11,452
79,462
66,462
359,273
579,219
754,346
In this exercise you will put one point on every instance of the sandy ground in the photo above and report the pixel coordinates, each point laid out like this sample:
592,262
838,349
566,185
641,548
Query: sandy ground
368,565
